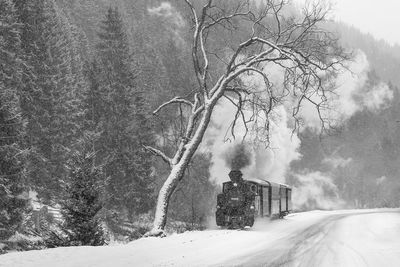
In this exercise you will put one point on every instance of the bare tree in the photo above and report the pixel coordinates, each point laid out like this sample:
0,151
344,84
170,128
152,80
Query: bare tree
261,36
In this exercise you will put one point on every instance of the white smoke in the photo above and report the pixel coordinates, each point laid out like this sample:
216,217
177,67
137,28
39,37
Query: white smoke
172,17
271,163
381,180
337,162
349,84
351,95
378,97
312,189
315,190
166,10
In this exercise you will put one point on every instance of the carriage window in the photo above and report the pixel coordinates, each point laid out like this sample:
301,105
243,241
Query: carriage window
265,191
283,192
253,189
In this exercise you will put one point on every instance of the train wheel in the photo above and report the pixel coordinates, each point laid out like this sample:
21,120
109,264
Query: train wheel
236,224
232,225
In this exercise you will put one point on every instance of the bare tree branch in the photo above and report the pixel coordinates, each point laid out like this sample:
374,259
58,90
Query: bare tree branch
159,153
175,100
307,55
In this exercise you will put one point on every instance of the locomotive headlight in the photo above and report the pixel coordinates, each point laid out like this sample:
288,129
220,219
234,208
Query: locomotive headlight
252,207
234,184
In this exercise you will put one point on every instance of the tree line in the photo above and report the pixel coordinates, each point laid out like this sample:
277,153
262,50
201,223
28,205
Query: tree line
79,82
72,126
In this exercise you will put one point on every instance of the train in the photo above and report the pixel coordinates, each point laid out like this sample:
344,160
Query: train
242,201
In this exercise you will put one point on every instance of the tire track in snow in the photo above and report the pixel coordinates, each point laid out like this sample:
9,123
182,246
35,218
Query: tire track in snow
307,247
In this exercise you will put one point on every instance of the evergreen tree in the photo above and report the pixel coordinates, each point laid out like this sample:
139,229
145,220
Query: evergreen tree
81,208
124,124
94,104
50,98
140,194
12,163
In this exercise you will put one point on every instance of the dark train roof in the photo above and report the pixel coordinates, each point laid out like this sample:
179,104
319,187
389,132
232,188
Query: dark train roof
268,183
265,183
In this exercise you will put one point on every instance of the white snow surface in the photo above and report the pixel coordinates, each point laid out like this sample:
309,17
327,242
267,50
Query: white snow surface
315,238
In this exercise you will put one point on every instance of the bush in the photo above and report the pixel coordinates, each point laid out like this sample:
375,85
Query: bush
81,208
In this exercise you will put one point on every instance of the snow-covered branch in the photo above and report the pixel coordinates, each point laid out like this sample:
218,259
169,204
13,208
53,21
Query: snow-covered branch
306,54
175,100
159,153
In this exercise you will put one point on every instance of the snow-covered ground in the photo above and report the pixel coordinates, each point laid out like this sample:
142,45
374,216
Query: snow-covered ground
316,238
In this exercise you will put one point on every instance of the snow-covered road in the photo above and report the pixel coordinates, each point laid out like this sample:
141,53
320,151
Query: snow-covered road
369,238
316,238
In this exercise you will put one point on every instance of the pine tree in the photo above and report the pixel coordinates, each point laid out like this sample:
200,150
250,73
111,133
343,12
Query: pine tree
141,194
94,104
124,124
50,98
12,163
81,208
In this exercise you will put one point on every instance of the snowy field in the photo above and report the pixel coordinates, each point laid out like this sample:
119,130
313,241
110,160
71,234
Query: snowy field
316,238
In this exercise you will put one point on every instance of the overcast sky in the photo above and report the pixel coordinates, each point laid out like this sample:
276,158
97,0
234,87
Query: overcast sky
380,18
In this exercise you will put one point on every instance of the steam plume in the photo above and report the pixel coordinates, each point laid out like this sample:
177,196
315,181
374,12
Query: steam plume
238,156
311,189
315,190
270,163
353,94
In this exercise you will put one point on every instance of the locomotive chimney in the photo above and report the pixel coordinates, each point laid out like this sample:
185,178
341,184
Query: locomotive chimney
236,176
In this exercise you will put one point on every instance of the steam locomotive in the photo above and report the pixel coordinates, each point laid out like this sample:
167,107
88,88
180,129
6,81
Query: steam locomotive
241,201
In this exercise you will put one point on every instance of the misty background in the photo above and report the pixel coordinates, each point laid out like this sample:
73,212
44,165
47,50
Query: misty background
354,165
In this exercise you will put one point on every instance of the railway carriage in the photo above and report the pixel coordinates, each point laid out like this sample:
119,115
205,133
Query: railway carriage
241,201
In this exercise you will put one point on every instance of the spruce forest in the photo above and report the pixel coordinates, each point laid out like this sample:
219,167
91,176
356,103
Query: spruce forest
79,81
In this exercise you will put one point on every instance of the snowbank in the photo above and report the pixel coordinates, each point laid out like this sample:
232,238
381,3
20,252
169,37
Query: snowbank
353,237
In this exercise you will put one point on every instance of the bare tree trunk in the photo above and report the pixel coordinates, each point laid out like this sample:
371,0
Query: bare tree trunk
178,170
164,195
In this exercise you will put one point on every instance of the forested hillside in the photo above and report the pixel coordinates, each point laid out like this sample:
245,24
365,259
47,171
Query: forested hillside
79,82
358,161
